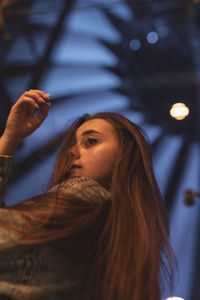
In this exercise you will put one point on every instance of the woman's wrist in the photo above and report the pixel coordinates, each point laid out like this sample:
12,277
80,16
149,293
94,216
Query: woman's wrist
8,145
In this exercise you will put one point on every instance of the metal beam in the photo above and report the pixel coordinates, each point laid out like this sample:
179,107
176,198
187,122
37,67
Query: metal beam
54,38
195,41
5,103
176,175
195,290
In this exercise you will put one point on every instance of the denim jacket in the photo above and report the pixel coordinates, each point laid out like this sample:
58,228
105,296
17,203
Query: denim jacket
40,271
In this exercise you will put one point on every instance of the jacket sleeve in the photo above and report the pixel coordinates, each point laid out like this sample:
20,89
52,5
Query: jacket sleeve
5,166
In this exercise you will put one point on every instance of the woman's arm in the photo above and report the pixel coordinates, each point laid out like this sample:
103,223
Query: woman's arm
5,166
7,147
21,122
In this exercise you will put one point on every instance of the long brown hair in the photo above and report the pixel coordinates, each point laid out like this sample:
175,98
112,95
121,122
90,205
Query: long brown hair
131,257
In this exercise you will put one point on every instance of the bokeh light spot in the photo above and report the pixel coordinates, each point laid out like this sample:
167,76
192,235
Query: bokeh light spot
135,44
152,37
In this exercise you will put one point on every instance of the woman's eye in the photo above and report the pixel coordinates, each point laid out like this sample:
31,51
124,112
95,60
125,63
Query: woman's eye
90,141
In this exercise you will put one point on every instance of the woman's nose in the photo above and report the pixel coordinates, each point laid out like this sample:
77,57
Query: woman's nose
74,151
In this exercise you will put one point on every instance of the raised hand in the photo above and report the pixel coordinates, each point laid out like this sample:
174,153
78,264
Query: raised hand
22,120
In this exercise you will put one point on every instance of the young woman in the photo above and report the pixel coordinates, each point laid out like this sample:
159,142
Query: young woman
100,231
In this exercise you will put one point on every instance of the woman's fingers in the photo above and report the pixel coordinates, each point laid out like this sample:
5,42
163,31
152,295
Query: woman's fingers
35,98
26,100
38,96
43,112
41,93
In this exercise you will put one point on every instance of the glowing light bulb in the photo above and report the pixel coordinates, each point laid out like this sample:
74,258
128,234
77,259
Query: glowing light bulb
174,298
179,111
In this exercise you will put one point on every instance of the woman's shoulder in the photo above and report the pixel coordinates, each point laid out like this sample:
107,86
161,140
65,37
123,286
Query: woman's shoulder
84,188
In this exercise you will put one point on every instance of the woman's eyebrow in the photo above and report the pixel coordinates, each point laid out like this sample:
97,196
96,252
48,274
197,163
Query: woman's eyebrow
90,131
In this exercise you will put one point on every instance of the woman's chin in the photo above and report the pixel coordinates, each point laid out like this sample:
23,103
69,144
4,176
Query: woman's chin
75,173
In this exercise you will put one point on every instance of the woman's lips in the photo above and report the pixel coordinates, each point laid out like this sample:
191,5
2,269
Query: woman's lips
75,167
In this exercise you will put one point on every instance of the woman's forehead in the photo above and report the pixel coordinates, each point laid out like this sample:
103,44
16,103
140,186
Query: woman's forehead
100,125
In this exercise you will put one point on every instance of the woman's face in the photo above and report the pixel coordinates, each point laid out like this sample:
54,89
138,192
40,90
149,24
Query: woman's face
95,151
